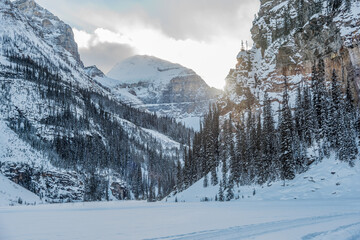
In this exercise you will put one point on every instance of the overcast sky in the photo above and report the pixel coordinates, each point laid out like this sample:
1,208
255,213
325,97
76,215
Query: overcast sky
204,35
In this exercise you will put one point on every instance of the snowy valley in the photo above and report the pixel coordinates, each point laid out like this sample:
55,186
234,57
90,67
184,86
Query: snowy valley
150,151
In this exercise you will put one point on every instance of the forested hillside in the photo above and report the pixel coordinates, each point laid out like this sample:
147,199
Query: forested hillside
93,147
288,104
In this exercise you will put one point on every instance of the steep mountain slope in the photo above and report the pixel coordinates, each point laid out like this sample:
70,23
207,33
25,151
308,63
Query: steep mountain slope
330,179
51,29
14,194
162,87
288,111
289,38
66,137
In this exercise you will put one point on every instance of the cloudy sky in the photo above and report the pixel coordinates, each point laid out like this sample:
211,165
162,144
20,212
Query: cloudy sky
204,35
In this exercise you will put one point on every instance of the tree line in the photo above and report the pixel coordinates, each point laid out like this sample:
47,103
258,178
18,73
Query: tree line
259,149
80,130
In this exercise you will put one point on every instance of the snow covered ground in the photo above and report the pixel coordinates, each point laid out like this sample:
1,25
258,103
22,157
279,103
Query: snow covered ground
328,179
290,219
12,193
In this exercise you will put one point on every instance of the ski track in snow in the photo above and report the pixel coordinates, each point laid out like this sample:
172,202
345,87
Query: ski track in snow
258,230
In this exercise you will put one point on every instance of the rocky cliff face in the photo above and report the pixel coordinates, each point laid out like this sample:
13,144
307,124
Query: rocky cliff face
56,185
94,72
289,37
50,28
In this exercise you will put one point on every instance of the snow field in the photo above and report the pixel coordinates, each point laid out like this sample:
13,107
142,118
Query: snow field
329,179
12,193
291,219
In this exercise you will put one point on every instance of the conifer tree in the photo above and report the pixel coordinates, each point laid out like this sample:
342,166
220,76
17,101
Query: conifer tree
221,192
286,131
335,112
206,181
308,126
229,191
179,176
259,154
224,167
348,150
299,115
349,100
241,151
269,140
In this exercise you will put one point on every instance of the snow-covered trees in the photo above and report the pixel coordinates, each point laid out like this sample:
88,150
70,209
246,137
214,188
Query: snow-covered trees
286,137
82,130
252,149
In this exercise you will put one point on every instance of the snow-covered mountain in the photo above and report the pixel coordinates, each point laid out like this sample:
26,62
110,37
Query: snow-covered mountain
299,78
51,29
289,38
148,69
64,136
159,86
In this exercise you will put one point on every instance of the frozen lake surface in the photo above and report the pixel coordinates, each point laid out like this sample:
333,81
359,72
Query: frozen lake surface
292,219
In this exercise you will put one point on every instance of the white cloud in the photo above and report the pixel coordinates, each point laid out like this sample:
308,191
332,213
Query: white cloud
204,35
211,60
82,38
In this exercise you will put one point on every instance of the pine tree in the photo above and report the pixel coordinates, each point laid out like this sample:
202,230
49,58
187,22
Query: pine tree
224,169
348,148
232,158
320,109
269,140
286,131
229,191
206,181
299,115
241,152
221,193
214,178
179,177
299,146
248,163
138,182
349,100
259,154
335,112
308,126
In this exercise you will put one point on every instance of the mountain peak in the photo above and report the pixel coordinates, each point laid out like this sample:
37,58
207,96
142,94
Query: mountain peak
160,86
50,28
144,68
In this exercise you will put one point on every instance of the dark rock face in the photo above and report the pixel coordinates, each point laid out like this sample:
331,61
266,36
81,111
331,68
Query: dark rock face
51,186
288,40
183,96
164,87
49,27
186,89
55,186
93,71
119,191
